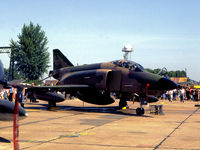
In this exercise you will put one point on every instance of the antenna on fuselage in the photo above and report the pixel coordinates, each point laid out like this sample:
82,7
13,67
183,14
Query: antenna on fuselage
127,49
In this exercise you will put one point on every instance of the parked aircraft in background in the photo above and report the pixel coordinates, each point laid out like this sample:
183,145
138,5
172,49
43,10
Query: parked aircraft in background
7,107
7,111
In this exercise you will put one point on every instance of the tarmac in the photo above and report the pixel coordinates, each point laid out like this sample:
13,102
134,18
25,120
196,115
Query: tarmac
75,125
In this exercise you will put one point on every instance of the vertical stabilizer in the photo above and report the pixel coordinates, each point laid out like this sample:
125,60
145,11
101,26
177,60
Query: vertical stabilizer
59,60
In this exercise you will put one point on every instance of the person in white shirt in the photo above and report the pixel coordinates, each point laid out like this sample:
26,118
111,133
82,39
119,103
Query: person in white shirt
182,94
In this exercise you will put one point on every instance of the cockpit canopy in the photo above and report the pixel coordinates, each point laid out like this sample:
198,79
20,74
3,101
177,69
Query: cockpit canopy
131,65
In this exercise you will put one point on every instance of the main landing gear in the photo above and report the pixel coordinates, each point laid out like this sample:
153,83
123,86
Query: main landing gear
51,105
123,102
140,110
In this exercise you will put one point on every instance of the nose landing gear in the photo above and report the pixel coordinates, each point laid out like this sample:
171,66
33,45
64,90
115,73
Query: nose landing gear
143,101
140,110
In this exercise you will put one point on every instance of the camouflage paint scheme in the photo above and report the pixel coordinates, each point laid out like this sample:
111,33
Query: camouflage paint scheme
123,79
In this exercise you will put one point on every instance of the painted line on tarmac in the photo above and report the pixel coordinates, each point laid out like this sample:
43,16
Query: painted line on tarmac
33,110
76,134
84,144
33,122
157,146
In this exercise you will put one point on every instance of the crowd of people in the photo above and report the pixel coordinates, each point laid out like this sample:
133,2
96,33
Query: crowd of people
176,94
182,94
10,94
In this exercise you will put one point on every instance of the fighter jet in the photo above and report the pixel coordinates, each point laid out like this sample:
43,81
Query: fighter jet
98,83
7,107
103,83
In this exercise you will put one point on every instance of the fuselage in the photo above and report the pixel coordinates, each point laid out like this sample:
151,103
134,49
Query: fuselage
132,78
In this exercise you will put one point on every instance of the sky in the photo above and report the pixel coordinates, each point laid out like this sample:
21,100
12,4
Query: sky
163,33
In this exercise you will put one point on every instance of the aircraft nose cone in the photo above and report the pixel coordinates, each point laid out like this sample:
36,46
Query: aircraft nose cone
167,84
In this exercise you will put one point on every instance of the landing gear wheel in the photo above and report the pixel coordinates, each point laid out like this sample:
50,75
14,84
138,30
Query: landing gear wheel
140,111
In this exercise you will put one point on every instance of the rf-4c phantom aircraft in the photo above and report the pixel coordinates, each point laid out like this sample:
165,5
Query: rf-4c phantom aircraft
97,83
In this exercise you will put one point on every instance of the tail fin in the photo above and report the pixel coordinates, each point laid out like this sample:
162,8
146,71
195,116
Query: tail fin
59,60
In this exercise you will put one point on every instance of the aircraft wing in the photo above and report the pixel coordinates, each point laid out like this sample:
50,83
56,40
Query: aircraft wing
16,81
68,88
49,93
9,84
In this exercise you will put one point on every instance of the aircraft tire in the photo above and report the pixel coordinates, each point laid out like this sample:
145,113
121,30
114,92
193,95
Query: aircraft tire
140,111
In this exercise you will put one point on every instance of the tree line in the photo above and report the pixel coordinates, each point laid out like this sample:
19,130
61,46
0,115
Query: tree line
177,73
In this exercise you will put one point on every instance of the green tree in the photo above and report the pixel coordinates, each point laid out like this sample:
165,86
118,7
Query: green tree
155,71
176,73
29,53
6,73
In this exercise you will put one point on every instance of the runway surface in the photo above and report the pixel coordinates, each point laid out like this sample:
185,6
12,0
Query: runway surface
82,126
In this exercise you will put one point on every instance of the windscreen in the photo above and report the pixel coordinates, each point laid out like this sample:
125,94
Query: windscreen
131,65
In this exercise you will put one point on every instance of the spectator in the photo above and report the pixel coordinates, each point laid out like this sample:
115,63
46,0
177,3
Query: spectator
182,94
11,94
21,98
196,95
192,94
1,94
174,94
5,94
170,95
188,94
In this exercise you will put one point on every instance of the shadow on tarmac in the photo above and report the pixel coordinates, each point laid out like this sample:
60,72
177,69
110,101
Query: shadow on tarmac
108,109
3,140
